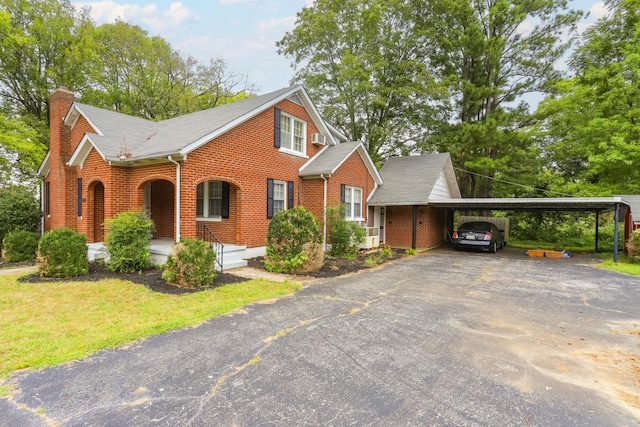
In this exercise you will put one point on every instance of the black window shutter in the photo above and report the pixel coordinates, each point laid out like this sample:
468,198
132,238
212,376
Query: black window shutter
79,196
343,190
289,194
276,129
269,198
225,199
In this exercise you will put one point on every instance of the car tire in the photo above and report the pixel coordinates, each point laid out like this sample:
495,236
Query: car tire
494,247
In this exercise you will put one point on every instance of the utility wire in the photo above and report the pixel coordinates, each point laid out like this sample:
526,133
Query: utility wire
513,183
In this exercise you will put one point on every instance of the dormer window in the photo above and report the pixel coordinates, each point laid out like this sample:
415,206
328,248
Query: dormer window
291,134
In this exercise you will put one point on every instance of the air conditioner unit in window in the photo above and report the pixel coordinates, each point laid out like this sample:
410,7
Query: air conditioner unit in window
318,138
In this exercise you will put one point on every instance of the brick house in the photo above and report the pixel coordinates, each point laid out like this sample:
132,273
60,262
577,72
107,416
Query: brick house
402,208
224,171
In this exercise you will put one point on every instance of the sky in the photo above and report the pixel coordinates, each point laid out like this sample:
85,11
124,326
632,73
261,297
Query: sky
242,32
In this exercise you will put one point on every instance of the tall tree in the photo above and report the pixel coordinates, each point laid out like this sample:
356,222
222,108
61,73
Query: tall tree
44,44
21,152
363,61
144,76
592,121
491,59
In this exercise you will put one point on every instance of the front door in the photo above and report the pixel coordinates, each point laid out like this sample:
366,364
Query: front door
98,212
378,221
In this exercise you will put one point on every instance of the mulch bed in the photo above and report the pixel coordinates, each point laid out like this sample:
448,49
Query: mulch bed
334,267
152,277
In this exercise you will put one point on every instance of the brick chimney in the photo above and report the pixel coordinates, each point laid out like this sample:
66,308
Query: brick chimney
61,177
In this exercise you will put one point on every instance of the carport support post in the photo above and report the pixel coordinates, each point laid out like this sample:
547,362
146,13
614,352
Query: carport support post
597,230
615,233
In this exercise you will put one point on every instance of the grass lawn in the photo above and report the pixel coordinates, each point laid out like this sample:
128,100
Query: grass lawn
45,324
622,266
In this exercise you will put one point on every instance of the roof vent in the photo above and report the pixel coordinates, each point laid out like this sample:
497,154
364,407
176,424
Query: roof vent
318,139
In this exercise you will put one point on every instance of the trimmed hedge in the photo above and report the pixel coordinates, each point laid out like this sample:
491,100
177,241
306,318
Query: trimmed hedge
19,245
127,241
63,252
191,264
294,242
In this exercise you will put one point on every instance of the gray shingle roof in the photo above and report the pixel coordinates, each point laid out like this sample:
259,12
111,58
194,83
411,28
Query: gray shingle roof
329,159
146,139
634,204
410,180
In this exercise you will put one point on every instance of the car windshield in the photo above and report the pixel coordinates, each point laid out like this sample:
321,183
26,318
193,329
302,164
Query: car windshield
476,226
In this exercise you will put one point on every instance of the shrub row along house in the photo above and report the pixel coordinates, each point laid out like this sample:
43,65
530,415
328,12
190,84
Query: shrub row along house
226,171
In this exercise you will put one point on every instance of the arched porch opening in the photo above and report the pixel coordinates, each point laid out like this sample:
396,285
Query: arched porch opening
217,211
159,204
95,231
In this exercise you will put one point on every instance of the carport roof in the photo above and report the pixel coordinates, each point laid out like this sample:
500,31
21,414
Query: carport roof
594,204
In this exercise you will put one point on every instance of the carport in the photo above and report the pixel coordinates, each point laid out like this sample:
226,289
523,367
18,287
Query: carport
597,205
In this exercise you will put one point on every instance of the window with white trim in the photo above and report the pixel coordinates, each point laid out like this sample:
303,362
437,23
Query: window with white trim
279,196
352,203
210,200
293,134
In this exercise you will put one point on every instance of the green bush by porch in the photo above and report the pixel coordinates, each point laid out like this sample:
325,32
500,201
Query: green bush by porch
127,241
294,242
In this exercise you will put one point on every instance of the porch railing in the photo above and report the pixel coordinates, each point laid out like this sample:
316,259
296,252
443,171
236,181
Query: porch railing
204,232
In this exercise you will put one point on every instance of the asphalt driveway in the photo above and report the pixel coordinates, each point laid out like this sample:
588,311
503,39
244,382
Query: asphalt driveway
445,338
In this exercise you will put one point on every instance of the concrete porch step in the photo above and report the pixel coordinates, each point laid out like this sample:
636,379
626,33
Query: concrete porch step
234,256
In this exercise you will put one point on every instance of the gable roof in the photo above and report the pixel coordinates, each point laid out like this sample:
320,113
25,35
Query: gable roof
415,180
125,139
633,201
327,161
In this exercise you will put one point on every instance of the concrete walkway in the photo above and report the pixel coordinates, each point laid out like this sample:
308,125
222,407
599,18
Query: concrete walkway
16,270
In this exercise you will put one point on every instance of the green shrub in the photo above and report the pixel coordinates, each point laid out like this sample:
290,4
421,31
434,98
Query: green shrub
344,236
19,245
294,242
633,245
19,209
411,252
191,264
373,260
127,241
386,252
63,252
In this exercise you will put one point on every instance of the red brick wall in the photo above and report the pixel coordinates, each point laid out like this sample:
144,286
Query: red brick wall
245,157
399,226
312,196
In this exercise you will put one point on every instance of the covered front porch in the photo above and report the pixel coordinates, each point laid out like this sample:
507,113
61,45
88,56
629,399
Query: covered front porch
228,255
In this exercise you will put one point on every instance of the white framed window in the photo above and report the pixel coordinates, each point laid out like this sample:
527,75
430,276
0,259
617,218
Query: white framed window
293,135
209,200
352,203
279,196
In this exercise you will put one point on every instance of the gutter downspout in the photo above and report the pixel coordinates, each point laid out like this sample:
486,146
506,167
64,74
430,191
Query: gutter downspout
324,213
42,184
615,233
178,185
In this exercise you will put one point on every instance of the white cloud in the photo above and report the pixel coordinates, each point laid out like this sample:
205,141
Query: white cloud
109,11
598,10
236,1
150,15
277,24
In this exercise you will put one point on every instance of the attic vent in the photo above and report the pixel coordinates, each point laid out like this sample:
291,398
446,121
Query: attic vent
318,139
